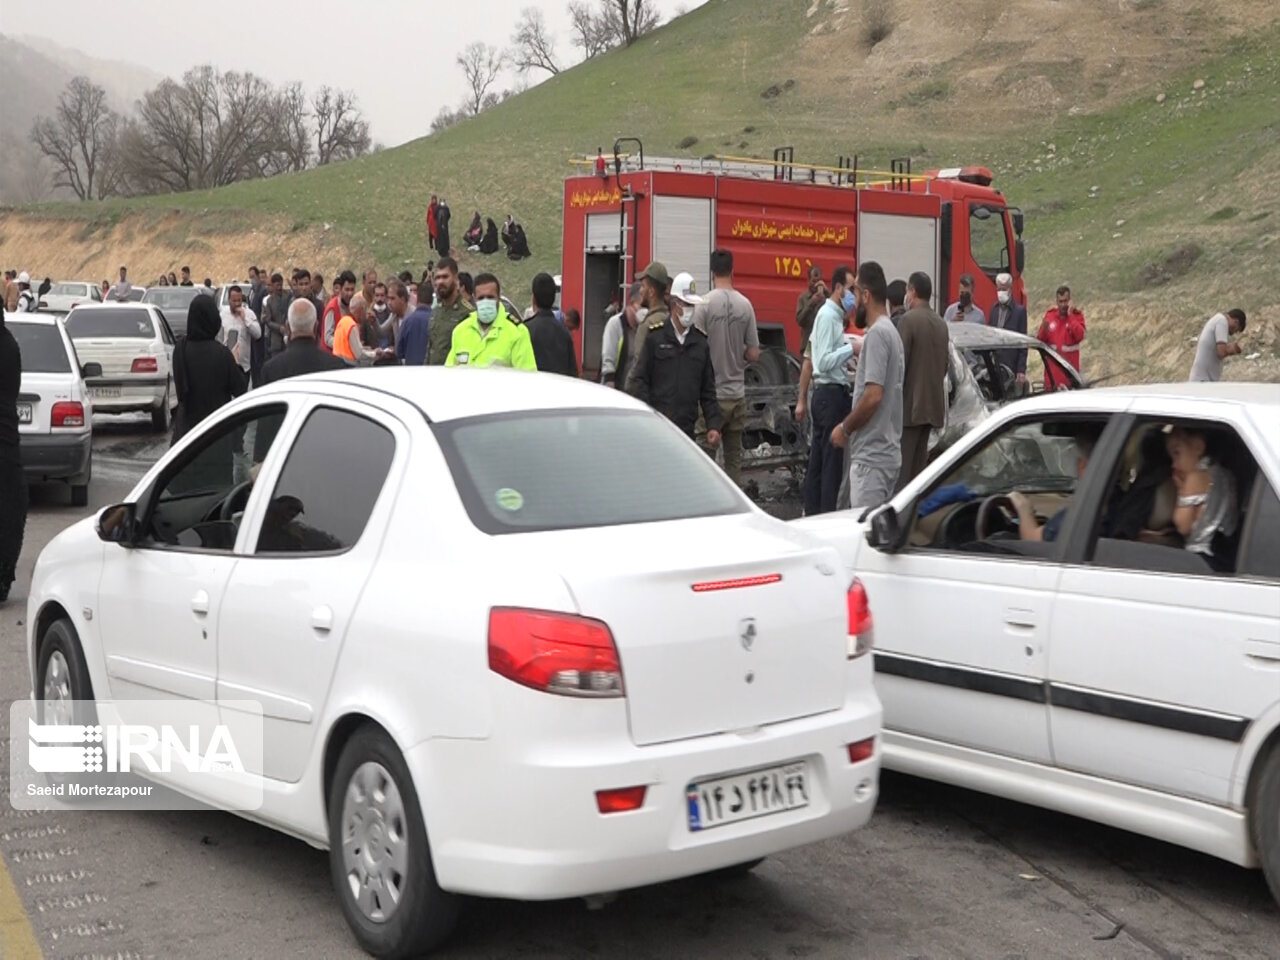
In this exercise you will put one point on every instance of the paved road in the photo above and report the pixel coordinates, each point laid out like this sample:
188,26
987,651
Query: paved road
940,872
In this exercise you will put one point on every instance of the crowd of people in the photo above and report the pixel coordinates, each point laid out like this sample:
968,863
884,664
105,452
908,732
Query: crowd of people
447,318
482,236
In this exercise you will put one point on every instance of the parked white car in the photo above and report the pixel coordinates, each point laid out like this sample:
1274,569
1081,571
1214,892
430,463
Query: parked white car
55,413
1098,662
573,676
134,346
64,296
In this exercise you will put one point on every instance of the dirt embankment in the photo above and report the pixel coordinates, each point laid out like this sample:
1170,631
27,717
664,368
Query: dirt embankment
149,243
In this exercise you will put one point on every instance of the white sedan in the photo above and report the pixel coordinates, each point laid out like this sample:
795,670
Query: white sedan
484,627
1058,623
134,346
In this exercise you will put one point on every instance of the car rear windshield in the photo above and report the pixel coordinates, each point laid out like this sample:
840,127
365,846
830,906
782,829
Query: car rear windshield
110,322
69,290
170,298
573,469
43,350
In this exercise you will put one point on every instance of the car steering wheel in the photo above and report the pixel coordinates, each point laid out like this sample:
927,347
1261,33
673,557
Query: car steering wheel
230,505
1000,505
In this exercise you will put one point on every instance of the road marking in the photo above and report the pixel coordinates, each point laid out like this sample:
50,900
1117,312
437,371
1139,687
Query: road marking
17,938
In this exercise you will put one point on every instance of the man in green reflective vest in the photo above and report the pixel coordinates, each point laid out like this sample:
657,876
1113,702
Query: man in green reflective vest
488,337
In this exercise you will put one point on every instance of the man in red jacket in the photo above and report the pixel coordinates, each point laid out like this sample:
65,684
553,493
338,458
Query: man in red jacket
1062,329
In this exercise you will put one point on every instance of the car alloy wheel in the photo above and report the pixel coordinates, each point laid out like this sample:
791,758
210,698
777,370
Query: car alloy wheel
379,857
375,848
59,707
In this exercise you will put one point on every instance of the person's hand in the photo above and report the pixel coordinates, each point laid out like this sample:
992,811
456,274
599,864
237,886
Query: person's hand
1179,480
801,410
838,437
1022,379
1021,504
713,438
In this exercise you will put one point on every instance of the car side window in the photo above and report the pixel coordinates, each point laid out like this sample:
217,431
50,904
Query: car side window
329,486
1178,501
200,501
1012,494
1260,546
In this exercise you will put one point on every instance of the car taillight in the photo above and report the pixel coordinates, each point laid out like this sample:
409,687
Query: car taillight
862,750
861,625
554,652
67,413
144,365
620,801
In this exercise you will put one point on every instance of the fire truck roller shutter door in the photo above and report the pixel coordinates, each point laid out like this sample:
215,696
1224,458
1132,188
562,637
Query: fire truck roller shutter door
682,237
902,245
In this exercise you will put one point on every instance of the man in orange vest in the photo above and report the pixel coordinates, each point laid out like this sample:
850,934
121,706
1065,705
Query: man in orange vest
335,310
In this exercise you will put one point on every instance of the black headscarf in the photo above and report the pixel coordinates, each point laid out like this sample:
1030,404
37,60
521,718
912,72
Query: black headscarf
203,320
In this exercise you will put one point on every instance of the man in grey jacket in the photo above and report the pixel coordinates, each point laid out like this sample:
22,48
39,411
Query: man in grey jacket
275,316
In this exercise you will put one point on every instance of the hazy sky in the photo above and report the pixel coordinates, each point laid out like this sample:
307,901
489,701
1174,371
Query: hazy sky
397,55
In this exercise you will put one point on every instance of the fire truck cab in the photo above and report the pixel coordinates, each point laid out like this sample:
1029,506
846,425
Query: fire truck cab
779,219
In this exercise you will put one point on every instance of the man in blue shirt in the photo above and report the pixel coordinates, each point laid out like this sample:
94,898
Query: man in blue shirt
831,399
411,343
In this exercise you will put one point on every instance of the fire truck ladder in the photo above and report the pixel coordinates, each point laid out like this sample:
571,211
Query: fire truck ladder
846,172
627,220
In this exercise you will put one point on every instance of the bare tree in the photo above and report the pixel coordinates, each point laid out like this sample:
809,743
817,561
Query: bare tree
591,33
293,130
481,65
209,130
341,132
532,45
74,138
629,20
112,177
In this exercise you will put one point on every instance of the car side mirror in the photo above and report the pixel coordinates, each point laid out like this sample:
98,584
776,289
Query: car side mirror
119,524
91,369
885,532
1020,254
1019,221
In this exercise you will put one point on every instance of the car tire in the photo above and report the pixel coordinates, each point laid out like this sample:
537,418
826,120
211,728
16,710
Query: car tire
372,801
1264,819
162,416
63,677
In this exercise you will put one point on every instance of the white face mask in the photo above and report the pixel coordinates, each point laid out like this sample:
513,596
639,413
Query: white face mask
1002,296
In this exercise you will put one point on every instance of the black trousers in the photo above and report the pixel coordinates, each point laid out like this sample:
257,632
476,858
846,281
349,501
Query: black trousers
13,521
831,404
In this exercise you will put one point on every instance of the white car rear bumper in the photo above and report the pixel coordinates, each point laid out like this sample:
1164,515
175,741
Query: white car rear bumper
515,816
125,394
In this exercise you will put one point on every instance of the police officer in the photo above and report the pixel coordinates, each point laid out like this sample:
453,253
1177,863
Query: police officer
488,337
654,284
673,372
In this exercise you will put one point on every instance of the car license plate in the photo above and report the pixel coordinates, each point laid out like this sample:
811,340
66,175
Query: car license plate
102,393
24,413
714,803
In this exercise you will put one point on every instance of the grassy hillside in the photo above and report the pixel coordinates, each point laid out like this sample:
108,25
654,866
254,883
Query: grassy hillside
1057,98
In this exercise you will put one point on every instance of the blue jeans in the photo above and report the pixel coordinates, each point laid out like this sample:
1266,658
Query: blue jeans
831,404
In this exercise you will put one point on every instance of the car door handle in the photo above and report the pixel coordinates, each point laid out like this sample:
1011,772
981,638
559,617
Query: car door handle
200,603
1264,651
322,619
1020,617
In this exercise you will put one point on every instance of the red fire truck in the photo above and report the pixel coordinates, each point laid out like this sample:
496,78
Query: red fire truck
778,218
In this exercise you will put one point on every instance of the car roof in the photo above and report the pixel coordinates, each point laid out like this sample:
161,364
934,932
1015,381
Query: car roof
35,319
977,335
1117,399
455,393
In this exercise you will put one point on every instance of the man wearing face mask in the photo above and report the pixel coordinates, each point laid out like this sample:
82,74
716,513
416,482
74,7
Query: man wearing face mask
1008,315
1063,329
873,428
674,373
829,354
963,310
619,337
654,283
488,337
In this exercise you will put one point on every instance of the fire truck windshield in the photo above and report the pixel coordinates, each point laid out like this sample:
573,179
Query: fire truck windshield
988,240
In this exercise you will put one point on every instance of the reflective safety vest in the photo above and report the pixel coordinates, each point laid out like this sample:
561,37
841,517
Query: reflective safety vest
342,339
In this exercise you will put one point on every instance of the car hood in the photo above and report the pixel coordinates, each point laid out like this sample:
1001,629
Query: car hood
976,336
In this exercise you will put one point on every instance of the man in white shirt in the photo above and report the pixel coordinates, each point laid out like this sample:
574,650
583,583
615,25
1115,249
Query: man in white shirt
120,292
1215,345
239,327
